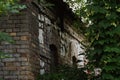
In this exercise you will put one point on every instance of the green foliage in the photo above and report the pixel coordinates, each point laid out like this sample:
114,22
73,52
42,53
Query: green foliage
44,3
104,35
4,37
76,5
11,6
65,73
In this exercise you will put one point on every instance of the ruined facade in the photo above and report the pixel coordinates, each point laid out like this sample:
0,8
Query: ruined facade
43,37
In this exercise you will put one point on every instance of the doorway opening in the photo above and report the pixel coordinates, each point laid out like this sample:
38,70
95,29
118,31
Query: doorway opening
54,56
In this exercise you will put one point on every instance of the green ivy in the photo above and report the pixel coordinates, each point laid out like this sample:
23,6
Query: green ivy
104,36
4,37
10,6
6,7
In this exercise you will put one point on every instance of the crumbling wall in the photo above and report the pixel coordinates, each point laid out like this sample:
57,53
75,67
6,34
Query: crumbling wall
41,43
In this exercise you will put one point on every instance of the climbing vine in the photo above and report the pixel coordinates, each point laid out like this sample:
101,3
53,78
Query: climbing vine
103,34
12,6
4,37
8,6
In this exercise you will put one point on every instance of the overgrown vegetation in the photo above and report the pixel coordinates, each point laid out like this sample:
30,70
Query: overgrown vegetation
6,7
10,6
103,34
65,73
4,37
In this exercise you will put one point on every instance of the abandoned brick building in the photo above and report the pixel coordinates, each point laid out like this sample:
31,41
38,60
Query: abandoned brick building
43,37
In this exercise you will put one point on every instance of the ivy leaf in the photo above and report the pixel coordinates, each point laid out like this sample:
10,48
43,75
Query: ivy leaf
104,24
101,42
6,37
14,11
10,6
118,10
111,16
4,55
112,49
117,30
106,76
22,7
109,68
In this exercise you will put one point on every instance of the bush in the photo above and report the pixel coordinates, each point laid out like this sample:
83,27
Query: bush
65,73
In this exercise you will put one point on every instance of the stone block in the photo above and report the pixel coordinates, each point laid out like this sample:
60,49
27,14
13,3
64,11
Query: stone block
24,21
9,68
11,77
42,18
1,72
7,26
16,55
13,73
24,37
22,26
25,68
8,59
1,64
24,55
5,72
25,29
9,64
9,21
22,59
8,30
16,29
25,72
17,64
16,38
23,33
16,21
8,51
24,46
33,45
22,42
22,50
24,77
25,63
13,34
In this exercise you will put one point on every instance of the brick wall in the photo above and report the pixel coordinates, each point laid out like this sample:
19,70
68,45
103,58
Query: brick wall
39,43
22,61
